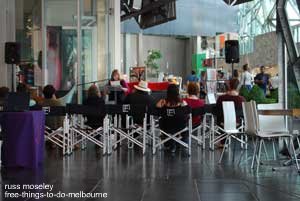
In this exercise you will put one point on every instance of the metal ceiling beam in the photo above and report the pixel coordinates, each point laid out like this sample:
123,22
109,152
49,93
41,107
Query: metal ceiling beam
286,30
149,8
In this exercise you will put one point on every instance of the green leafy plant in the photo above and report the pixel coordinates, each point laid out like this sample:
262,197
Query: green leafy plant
245,93
258,96
152,59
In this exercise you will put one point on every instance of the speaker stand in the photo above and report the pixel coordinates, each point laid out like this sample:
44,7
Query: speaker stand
13,81
232,67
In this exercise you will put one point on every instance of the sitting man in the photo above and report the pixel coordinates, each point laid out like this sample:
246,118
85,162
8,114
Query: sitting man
140,96
50,100
231,95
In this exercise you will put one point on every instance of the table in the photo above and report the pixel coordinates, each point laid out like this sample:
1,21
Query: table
23,139
281,112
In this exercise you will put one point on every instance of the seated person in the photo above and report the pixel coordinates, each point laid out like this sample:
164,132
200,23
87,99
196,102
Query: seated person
194,101
50,100
3,93
94,99
140,96
172,100
231,95
120,95
23,88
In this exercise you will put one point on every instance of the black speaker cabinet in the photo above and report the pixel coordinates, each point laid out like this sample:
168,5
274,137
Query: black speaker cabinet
12,53
232,52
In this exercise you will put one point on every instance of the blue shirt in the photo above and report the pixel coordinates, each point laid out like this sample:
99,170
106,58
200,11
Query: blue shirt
192,78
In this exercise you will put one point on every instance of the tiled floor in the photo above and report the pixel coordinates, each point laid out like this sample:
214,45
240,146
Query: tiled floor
127,175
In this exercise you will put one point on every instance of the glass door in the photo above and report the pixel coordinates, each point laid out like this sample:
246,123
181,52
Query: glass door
70,43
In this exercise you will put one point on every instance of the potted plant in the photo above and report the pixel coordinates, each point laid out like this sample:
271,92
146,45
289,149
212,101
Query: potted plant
152,62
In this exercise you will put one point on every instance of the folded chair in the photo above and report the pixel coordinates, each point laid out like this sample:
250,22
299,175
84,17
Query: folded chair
123,125
204,130
231,131
173,122
252,129
60,134
81,132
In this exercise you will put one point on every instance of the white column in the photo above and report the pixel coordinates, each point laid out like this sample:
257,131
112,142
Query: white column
79,50
140,50
44,41
115,34
7,34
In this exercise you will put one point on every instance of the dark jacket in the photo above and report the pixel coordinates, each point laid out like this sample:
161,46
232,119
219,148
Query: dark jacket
139,98
95,121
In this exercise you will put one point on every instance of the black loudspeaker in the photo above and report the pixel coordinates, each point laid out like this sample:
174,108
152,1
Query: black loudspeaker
232,52
12,53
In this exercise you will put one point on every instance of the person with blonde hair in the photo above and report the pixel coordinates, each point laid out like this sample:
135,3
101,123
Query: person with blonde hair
94,99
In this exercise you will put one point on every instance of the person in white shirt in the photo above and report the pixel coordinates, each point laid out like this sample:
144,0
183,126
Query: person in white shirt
246,78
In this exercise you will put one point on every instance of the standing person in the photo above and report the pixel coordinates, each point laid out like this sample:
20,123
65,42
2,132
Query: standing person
194,101
115,76
23,88
140,96
172,100
246,78
3,94
192,77
235,74
203,87
262,79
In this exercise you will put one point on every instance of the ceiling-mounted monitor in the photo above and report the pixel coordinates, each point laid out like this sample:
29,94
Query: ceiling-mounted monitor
235,2
164,13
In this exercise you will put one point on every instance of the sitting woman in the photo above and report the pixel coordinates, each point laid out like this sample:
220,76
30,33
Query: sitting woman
94,99
117,82
172,126
193,101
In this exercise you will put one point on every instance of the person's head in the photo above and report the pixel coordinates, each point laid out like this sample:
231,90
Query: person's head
115,75
93,91
235,73
203,74
193,89
49,92
173,97
193,72
262,69
233,84
245,67
3,92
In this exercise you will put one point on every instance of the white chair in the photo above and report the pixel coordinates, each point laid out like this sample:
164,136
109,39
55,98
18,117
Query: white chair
59,136
167,117
204,130
252,129
134,134
81,132
230,126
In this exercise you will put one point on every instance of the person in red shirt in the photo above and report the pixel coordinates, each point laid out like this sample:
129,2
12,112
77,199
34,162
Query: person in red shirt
194,101
231,95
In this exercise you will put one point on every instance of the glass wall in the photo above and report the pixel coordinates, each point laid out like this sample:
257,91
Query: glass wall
62,30
293,71
61,48
255,18
28,34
